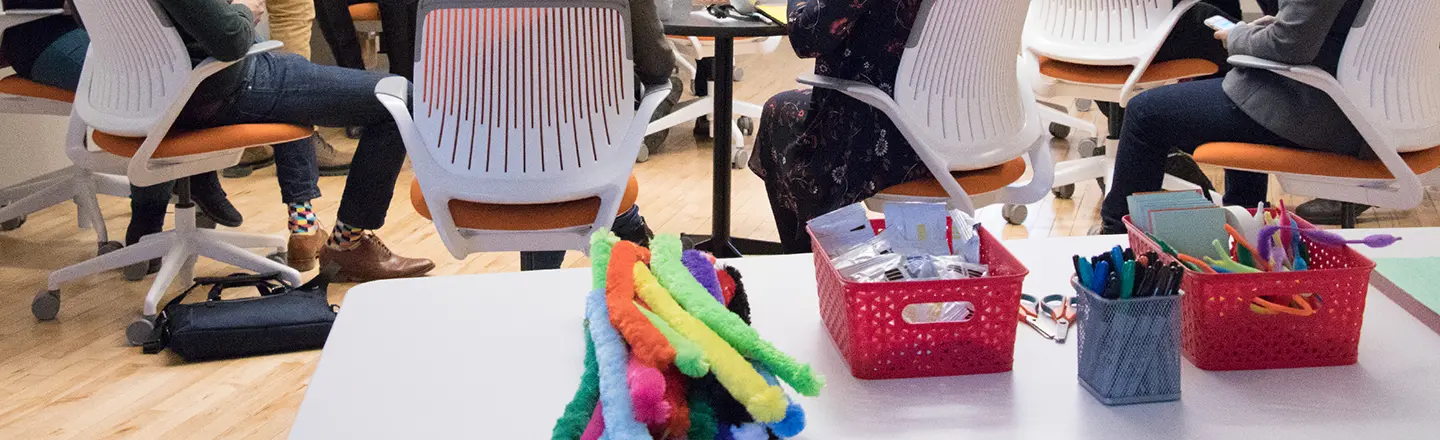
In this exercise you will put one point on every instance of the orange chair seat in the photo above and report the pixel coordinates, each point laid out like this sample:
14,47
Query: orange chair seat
975,182
365,12
498,217
1116,75
1270,158
209,140
15,85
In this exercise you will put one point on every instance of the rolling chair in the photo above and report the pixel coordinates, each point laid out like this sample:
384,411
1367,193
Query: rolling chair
1387,87
137,79
529,153
21,96
692,56
1102,51
960,103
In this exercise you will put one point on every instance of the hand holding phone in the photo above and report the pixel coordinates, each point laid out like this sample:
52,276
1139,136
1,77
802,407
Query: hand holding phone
1219,23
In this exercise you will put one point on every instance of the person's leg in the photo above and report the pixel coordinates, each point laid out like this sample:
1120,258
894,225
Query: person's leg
148,205
397,23
210,197
286,88
1191,38
782,121
290,23
1182,116
333,18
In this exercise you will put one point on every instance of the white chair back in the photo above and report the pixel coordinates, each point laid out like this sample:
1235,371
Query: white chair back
965,97
136,70
1097,31
524,102
1389,69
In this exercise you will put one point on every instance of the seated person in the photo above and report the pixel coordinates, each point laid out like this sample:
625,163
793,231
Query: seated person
1248,105
819,150
285,88
653,64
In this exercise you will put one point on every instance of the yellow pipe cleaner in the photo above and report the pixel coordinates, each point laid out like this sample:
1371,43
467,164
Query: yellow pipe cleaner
764,402
698,301
689,358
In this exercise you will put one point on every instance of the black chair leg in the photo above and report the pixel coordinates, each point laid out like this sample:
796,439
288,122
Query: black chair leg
1348,213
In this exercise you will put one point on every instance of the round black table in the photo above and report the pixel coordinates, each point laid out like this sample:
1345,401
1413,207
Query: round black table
720,242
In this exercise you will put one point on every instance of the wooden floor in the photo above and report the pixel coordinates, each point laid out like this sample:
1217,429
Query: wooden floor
76,378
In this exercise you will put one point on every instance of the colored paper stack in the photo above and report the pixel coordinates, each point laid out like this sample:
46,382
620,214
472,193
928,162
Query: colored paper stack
670,353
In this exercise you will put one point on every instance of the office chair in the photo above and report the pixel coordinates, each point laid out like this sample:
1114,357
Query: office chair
525,141
1387,86
137,79
960,103
692,56
1102,51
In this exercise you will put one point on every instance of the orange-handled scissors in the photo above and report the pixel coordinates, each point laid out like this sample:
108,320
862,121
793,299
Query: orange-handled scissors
1062,311
1030,315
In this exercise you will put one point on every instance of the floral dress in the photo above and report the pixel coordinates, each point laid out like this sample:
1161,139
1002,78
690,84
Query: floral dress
819,150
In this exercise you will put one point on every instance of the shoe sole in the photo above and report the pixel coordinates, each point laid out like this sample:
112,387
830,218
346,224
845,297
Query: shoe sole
342,277
304,265
334,171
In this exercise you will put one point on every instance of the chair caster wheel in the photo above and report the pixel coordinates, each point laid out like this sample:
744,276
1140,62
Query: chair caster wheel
1059,131
1014,214
1090,147
702,128
746,125
13,224
139,330
138,271
108,247
1063,192
1083,105
739,74
46,305
739,159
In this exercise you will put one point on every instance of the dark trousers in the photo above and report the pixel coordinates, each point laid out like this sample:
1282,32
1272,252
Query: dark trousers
628,226
286,88
396,20
1183,116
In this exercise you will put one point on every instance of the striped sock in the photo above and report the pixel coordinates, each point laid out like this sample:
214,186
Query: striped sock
302,218
345,236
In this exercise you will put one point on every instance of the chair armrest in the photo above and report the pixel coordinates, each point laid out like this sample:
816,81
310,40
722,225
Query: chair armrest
395,87
866,93
211,66
650,100
1162,33
1258,63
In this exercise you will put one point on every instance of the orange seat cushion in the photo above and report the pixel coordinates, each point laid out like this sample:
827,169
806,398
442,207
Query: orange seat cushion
497,217
365,12
975,182
1270,158
208,140
15,85
1116,75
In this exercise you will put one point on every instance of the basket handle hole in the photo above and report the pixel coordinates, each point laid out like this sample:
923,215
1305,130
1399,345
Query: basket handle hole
1302,304
938,312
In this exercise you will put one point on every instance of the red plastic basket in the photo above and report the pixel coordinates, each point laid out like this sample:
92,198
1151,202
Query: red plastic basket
1219,331
864,319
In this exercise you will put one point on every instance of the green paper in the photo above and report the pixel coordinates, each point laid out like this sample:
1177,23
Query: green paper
1418,277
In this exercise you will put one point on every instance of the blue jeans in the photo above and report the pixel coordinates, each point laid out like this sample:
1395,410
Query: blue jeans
1184,117
628,226
287,88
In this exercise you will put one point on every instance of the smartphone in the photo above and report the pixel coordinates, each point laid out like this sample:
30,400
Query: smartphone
1219,23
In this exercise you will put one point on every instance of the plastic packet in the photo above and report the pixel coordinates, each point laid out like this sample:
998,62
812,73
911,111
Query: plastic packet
874,247
841,230
954,267
888,267
917,229
921,267
964,237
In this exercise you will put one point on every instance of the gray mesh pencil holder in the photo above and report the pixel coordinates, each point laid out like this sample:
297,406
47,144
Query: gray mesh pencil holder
1129,349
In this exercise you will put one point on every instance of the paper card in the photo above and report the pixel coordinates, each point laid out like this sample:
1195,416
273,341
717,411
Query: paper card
1191,231
1142,204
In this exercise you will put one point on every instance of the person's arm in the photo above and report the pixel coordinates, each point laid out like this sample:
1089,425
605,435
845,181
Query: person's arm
224,30
1295,36
653,60
819,26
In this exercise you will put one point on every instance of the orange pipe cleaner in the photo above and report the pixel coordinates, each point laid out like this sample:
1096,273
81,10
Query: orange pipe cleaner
647,344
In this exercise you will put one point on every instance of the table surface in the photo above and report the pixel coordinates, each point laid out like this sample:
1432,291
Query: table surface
704,26
499,355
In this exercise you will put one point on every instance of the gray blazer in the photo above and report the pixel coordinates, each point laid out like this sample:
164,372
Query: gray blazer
1305,32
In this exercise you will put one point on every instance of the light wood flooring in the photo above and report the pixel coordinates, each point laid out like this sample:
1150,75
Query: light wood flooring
75,378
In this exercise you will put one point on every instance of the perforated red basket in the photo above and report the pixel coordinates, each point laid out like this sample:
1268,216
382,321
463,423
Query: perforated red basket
864,319
1219,331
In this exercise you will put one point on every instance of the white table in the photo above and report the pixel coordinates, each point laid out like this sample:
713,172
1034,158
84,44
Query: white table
497,357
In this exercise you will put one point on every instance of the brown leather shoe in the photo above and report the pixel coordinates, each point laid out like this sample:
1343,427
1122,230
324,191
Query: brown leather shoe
252,159
304,248
331,162
370,260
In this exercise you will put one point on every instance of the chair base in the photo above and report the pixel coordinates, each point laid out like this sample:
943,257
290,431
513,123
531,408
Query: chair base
703,106
180,248
68,184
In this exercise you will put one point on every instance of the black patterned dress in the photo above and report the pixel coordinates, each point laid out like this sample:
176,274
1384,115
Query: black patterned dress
819,150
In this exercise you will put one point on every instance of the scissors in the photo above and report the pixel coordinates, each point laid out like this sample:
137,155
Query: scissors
1030,315
1061,310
